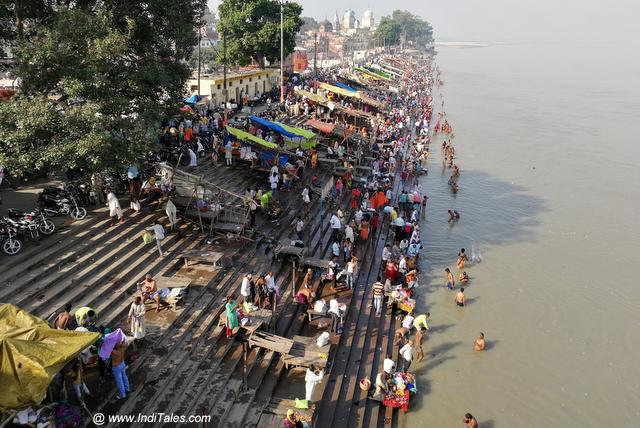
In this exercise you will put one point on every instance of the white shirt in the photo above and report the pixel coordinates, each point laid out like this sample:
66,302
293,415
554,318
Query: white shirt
114,204
271,284
407,322
305,195
388,365
193,158
386,253
407,352
158,230
245,289
335,222
299,225
348,233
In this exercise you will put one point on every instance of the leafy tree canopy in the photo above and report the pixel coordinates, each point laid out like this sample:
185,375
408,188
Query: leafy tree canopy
94,74
310,24
252,29
404,25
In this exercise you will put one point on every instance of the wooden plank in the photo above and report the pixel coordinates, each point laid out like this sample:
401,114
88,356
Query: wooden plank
176,281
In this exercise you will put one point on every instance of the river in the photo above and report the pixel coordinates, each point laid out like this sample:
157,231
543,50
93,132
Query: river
547,142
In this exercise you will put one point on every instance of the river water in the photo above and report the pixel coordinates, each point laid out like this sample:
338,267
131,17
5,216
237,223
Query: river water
547,142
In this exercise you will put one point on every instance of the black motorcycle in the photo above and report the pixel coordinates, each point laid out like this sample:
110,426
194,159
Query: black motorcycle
37,217
11,245
60,203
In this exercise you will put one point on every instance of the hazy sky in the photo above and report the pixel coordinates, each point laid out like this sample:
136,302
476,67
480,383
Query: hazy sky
503,20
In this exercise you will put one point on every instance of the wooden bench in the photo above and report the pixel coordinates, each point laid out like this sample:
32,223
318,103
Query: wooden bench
271,342
257,319
177,281
201,256
306,352
288,250
316,262
314,315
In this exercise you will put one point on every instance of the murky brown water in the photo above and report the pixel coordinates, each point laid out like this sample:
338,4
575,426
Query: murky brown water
546,137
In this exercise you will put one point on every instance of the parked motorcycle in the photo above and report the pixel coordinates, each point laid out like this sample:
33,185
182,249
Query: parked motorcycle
61,204
11,245
23,227
37,216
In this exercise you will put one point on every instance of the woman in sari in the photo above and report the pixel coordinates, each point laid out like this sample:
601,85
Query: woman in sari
364,230
232,315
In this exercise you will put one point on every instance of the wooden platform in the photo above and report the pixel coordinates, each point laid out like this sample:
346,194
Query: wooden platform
271,342
257,318
305,352
202,256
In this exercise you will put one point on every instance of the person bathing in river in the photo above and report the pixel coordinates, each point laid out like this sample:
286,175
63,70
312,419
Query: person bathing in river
453,216
479,344
462,259
463,278
451,283
460,299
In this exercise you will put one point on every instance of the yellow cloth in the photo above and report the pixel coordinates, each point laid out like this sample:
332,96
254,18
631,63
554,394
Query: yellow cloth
31,354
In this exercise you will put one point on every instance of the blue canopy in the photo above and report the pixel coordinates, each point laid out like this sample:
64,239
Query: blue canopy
273,126
347,87
193,99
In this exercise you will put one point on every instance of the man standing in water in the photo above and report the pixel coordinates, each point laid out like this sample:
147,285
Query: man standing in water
478,345
470,421
460,298
419,339
451,283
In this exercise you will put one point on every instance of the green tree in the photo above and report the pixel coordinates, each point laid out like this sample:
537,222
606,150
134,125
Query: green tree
310,24
404,26
388,31
252,29
96,78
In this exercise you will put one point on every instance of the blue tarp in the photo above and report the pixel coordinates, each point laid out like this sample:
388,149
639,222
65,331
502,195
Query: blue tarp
193,99
266,159
273,126
347,87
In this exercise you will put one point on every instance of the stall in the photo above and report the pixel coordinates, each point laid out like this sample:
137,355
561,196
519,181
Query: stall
403,387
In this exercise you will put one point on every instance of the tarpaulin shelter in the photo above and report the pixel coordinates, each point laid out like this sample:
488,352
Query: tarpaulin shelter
341,91
344,86
316,98
273,126
245,136
31,354
310,137
325,127
193,99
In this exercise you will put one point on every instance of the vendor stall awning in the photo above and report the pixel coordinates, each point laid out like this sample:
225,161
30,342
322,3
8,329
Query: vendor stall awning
341,91
325,127
31,354
313,97
273,126
245,136
310,137
347,87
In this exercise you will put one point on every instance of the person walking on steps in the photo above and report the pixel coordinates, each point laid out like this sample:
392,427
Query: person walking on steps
158,232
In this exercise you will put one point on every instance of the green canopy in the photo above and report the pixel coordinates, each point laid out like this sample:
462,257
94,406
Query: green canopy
308,135
245,136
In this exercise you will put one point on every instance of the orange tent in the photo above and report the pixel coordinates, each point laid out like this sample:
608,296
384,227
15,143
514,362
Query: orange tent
325,127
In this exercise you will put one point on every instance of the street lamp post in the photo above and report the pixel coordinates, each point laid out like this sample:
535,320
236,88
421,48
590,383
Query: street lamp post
282,51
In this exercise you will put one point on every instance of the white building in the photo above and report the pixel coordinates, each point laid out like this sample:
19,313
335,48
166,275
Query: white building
349,20
367,19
